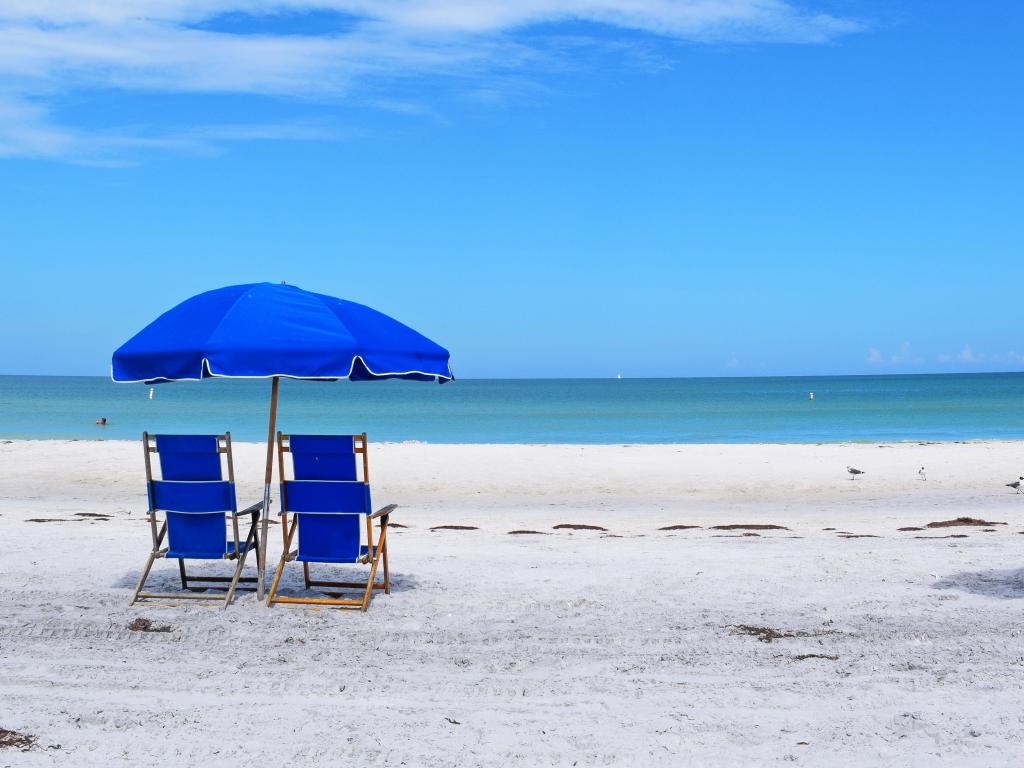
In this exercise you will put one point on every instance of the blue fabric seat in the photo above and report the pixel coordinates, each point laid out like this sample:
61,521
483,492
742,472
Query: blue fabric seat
197,503
229,548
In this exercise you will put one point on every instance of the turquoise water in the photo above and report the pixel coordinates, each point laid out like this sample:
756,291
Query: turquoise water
734,410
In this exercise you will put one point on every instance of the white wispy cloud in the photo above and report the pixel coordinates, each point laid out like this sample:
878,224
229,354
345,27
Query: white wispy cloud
968,356
27,130
51,47
904,356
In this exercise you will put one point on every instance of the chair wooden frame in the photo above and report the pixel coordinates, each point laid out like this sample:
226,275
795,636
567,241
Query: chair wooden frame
189,592
376,554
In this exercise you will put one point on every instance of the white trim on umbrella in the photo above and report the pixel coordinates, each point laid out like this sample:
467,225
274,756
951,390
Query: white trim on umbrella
328,377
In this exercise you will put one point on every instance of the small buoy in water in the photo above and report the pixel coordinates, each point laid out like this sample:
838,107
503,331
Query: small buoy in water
812,395
151,393
102,421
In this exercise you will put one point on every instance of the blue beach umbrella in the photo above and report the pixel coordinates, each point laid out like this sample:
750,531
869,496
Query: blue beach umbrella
270,331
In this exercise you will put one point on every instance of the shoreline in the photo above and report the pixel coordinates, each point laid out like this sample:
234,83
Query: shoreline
5,439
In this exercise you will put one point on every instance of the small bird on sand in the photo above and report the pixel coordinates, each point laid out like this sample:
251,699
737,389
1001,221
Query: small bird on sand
1016,484
854,472
921,474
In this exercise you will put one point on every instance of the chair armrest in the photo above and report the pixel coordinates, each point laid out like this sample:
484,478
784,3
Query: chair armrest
384,511
255,509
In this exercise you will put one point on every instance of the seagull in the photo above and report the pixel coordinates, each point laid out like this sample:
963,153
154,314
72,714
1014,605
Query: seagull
1016,484
921,474
854,472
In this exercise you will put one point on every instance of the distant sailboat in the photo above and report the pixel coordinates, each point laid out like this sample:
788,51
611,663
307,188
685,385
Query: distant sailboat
618,376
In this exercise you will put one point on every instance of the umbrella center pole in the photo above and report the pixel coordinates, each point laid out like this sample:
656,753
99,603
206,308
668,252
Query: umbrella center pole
267,478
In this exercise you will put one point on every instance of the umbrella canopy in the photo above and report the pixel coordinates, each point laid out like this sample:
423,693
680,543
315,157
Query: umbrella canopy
263,330
268,330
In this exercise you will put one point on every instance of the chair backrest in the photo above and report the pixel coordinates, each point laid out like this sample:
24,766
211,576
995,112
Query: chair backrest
325,457
326,493
192,490
329,515
326,497
190,457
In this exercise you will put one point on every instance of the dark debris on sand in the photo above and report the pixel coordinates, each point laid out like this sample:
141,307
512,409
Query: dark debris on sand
145,625
767,634
951,536
51,520
962,521
678,527
455,528
578,527
15,740
749,527
910,528
805,656
525,532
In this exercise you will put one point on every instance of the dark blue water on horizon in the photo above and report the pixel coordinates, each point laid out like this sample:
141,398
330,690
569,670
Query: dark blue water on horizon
722,410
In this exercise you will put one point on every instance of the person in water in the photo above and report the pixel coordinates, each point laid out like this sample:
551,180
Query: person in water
102,421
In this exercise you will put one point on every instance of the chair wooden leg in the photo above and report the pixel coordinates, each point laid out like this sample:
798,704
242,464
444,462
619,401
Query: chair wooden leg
280,565
238,568
276,581
184,576
369,582
387,576
305,573
145,575
149,563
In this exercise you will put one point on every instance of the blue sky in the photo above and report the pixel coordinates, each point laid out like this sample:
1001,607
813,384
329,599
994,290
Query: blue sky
548,188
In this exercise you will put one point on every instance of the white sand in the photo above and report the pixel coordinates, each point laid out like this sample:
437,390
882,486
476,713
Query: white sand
565,649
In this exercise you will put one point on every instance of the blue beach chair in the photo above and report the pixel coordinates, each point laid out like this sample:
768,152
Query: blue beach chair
196,501
330,505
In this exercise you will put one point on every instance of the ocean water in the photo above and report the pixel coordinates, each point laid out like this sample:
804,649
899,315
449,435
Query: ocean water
728,410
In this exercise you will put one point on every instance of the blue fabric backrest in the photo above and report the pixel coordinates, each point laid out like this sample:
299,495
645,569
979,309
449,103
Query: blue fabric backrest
326,496
188,457
323,457
178,496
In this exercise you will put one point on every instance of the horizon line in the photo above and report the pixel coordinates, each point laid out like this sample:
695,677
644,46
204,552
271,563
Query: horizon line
617,377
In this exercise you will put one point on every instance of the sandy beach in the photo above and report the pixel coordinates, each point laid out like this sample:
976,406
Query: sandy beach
834,639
